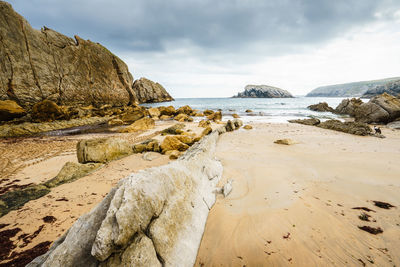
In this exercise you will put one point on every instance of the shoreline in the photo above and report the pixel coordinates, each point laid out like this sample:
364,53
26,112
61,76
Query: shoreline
256,144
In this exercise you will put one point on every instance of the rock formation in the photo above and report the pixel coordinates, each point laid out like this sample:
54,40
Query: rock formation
380,109
152,218
355,89
392,88
148,91
263,91
36,65
321,107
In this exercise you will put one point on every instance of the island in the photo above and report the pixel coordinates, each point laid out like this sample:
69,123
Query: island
263,91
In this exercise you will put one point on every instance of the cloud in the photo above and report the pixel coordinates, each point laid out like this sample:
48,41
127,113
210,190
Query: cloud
148,25
199,48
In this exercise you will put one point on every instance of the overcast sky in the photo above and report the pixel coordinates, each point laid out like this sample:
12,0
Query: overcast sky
213,48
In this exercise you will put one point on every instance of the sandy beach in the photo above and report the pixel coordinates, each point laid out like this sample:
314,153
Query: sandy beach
289,204
293,205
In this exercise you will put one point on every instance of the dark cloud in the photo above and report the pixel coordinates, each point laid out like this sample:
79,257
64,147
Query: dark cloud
148,25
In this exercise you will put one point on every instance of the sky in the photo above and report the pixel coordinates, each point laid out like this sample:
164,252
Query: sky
214,48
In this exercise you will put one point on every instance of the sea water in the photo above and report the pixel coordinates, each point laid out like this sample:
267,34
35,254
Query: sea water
277,110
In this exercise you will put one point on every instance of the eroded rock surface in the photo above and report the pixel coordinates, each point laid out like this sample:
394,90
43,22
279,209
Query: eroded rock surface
148,91
152,218
38,65
102,150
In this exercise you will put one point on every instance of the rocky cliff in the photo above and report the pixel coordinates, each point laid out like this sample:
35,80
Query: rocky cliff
155,217
392,88
356,89
263,91
148,91
37,65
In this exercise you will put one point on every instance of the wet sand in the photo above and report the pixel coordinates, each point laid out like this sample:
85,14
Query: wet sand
293,205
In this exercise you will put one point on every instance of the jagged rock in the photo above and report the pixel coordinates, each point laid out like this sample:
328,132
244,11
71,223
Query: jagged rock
72,171
321,107
173,143
173,154
206,131
371,112
149,92
311,121
238,123
248,127
185,110
102,150
181,117
46,111
389,103
357,128
168,204
142,124
10,110
208,112
348,106
216,116
204,123
39,65
134,115
28,128
169,111
285,142
174,129
230,126
165,117
115,122
263,91
154,112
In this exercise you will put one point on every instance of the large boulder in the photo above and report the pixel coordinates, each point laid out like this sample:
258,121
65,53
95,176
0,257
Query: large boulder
72,171
10,110
133,115
348,106
44,64
174,129
155,217
389,103
169,111
102,149
154,112
149,92
321,107
173,143
216,116
185,110
371,112
47,110
142,124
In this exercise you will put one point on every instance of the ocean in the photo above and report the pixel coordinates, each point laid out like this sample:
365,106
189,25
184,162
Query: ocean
277,110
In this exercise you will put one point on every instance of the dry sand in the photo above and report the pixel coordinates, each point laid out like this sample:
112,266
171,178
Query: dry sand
292,205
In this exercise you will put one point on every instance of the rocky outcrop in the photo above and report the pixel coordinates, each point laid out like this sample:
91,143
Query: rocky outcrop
142,124
39,65
355,89
149,92
392,88
263,91
380,109
357,128
321,107
152,218
102,150
348,106
10,110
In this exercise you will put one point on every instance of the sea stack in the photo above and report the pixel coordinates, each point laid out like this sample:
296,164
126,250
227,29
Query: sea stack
263,91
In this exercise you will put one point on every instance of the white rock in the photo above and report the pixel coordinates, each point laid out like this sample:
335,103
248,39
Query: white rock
227,189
